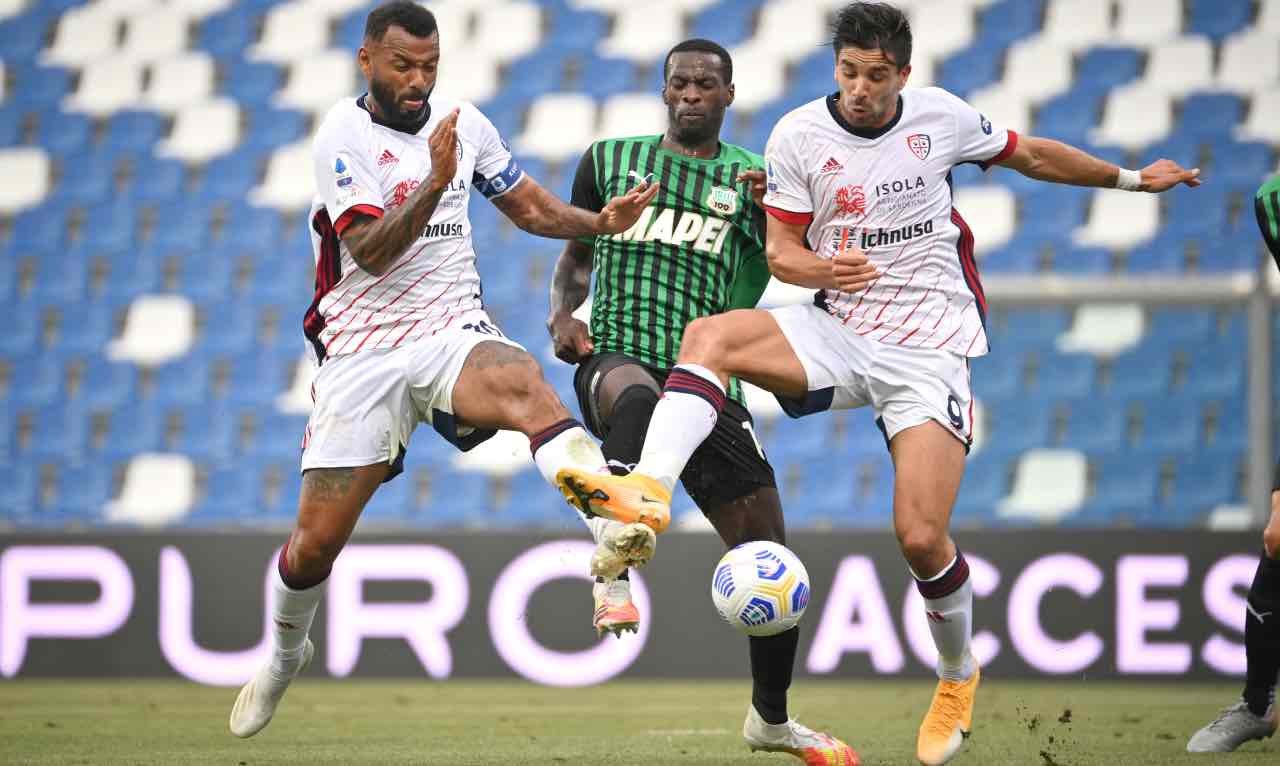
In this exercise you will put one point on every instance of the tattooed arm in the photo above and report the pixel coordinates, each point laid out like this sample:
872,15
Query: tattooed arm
376,243
536,210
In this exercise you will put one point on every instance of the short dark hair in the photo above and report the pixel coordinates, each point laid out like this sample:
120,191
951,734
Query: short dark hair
872,26
700,45
410,17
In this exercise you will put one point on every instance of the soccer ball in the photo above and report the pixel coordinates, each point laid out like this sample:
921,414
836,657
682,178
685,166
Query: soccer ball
760,588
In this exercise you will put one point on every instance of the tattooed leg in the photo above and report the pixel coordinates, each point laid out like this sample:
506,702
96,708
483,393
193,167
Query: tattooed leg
501,386
328,508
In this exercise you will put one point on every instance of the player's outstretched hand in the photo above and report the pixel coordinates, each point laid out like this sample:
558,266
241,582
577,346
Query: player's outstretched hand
852,270
622,212
1163,175
756,180
571,338
443,145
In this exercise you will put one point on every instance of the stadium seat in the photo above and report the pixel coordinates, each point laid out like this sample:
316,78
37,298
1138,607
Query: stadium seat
182,81
468,74
319,80
157,329
1135,115
23,37
1142,373
1037,70
107,85
28,171
1268,19
288,182
1048,485
1171,423
1053,210
990,213
508,30
1105,68
1178,67
1119,219
641,35
1147,22
1077,24
84,327
24,331
1219,18
1241,165
1249,63
228,32
1096,425
1065,375
729,22
631,114
938,29
1125,486
82,491
963,73
251,83
132,132
36,379
154,35
1103,329
1263,123
59,434
40,87
768,83
1218,372
1003,23
84,35
158,489
1202,482
1019,424
1210,116
19,488
1069,117
559,126
107,385
291,32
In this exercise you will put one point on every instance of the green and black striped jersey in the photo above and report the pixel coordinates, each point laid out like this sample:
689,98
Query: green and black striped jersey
697,250
1266,204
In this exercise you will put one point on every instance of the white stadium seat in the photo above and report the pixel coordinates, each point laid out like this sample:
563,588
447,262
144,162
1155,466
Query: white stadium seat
1078,24
158,489
155,34
454,22
27,171
941,28
990,211
805,25
337,8
1134,117
923,70
157,328
293,31
1268,17
632,114
288,183
2,81
1250,62
106,86
468,74
559,126
1010,111
1037,70
182,81
760,68
1263,122
640,34
503,455
1103,329
203,131
297,399
1120,219
1048,484
1148,21
507,31
198,9
1181,66
84,35
122,8
319,80
11,8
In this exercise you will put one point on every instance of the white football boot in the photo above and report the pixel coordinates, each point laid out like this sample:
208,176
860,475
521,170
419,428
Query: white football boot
1232,728
258,698
812,747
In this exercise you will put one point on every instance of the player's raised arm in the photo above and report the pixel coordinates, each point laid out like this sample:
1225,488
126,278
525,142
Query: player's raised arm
570,285
537,211
1047,160
376,243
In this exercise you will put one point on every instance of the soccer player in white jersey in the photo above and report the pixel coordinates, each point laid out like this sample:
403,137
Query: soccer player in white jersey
860,204
397,325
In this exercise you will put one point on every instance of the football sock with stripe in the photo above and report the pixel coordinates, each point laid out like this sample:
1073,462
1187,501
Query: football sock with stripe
772,660
293,607
566,444
684,417
948,603
1262,636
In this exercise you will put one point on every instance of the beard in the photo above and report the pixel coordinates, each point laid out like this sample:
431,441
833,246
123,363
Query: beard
702,132
390,108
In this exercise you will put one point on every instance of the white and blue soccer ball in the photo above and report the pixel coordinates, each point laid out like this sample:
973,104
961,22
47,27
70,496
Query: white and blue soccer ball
760,588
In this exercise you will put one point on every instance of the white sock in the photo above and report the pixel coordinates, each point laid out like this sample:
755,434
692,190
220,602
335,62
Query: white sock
291,614
951,620
571,448
684,417
599,525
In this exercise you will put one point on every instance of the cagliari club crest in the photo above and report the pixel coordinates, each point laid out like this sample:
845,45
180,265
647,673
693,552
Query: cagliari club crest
919,144
723,200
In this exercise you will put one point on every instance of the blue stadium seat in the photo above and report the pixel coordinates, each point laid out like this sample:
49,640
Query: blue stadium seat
1082,261
997,375
1242,165
247,227
537,73
43,227
12,120
207,433
228,327
230,497
276,436
1053,210
1071,116
1182,149
108,385
1102,69
1006,22
457,499
227,34
1196,211
1217,372
728,22
82,491
1236,252
1218,18
576,30
1166,254
1021,328
24,329
85,327
88,178
58,277
292,282
256,379
59,433
1066,375
1126,484
603,77
1171,424
1143,372
180,225
1020,424
985,484
160,181
19,488
250,83
271,128
202,278
1210,116
131,273
184,381
392,503
36,379
1189,328
134,131
964,72
1204,481
282,504
41,87
63,133
229,177
530,504
1097,425
22,37
1010,259
111,225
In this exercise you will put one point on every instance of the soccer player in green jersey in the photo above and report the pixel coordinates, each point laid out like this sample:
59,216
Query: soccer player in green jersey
1255,716
697,250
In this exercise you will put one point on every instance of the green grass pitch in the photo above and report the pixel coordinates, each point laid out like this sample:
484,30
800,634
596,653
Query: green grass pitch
1067,723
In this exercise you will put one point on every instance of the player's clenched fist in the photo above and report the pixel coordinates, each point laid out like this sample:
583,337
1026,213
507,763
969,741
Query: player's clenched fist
443,144
571,338
622,212
852,270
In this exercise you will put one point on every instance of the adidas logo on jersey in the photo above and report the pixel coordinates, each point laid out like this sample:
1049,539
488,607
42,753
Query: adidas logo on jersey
831,166
387,158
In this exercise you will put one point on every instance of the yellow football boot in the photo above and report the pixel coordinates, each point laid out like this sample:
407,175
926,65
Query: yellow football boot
948,721
630,499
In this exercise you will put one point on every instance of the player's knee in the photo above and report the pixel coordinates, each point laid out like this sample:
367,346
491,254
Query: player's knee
312,552
1271,539
703,342
923,546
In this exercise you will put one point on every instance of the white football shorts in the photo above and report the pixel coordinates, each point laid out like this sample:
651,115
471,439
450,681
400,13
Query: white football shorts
905,386
367,404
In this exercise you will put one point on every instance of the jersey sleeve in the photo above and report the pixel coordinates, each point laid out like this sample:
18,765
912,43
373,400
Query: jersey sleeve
977,140
749,283
496,172
787,195
586,189
344,174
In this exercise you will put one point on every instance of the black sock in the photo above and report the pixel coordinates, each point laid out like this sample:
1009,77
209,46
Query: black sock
1262,637
772,660
627,425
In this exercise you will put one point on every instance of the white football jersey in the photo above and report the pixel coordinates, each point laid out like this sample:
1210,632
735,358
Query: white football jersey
888,192
362,166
